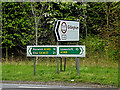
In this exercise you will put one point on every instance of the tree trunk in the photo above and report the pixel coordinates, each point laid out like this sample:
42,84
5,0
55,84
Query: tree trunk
107,17
84,21
36,32
7,54
36,27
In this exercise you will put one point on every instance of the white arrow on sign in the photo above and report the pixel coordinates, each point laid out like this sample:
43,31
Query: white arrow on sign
29,51
81,50
57,24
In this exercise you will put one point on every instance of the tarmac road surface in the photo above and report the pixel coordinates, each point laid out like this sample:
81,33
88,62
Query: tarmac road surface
10,86
6,85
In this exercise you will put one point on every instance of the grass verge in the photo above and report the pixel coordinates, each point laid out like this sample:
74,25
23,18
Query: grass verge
47,71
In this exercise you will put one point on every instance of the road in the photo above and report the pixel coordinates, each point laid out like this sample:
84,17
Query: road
10,86
5,86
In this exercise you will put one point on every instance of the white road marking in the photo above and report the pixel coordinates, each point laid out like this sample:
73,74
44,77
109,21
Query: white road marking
31,87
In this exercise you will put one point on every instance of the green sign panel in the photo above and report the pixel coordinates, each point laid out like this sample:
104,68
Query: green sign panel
56,51
41,50
72,51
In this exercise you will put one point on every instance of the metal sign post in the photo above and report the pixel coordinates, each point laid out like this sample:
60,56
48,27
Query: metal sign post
57,65
76,59
34,66
77,62
78,65
57,61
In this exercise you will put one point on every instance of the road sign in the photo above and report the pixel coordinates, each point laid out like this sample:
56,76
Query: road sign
56,51
71,51
42,51
66,30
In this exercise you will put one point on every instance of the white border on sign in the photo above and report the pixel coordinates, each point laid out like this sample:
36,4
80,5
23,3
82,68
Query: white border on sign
56,28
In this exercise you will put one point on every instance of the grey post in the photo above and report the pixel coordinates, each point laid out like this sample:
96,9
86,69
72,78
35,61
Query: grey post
76,60
78,65
57,62
34,66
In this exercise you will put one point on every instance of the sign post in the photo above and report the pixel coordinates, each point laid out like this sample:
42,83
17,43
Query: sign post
41,51
34,66
57,61
76,59
65,31
78,65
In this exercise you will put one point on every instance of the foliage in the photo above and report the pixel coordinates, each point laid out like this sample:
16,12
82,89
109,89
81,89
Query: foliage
99,24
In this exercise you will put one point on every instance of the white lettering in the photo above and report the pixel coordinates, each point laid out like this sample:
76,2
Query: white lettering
38,49
35,52
67,49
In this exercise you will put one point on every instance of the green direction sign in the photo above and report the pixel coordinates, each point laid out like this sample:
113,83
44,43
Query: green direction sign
41,50
56,51
72,51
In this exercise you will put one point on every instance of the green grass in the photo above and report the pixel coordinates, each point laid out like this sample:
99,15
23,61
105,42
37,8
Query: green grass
47,71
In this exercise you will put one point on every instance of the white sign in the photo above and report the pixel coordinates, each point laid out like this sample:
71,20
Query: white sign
67,30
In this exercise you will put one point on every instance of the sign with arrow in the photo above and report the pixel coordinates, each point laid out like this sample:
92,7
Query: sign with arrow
56,51
66,30
42,51
72,51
